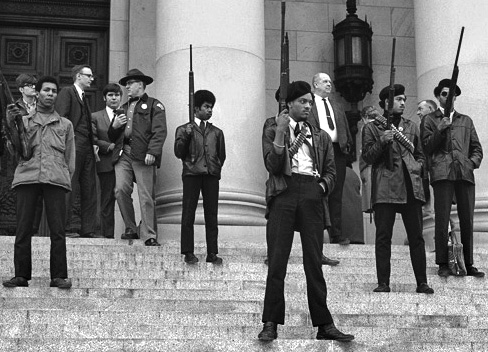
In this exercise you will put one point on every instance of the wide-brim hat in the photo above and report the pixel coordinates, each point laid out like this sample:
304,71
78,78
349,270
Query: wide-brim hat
136,75
445,83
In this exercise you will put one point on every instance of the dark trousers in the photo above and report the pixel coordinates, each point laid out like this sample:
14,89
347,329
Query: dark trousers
300,206
83,182
384,218
54,200
209,186
107,203
465,198
335,197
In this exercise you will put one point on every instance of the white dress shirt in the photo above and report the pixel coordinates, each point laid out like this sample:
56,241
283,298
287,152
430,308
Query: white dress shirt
324,125
301,162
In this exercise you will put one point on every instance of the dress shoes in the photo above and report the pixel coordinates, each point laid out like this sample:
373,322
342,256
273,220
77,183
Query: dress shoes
71,234
269,332
61,283
212,258
424,288
472,271
328,261
345,242
129,235
444,270
90,235
190,258
17,281
151,242
330,332
382,288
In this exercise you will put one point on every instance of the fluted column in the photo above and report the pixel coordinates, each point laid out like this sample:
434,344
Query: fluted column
437,28
228,59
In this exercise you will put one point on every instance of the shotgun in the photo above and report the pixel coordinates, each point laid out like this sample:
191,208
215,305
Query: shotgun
454,78
391,98
285,61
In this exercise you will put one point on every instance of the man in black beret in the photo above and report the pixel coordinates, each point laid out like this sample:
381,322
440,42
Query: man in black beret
300,162
396,188
452,144
139,133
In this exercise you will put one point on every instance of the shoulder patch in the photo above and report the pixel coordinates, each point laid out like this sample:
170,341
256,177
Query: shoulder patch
161,106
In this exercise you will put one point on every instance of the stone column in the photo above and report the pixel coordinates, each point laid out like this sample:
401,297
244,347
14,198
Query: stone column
229,60
437,28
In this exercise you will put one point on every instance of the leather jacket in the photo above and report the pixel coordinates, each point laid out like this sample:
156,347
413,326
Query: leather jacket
208,146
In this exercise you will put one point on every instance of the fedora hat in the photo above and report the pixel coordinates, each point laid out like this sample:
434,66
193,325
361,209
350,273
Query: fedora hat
136,75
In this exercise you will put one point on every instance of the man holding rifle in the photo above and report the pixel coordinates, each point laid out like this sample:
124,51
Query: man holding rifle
455,151
396,187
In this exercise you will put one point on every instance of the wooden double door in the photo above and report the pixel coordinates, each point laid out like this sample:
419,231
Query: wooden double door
54,51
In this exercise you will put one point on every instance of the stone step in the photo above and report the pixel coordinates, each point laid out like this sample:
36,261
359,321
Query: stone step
227,344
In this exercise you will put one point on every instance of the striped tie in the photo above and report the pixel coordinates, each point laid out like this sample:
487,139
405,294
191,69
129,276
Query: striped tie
298,141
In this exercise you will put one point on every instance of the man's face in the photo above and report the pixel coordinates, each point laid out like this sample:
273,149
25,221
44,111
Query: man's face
28,90
300,107
423,109
398,104
323,86
47,95
85,77
204,112
442,97
112,100
134,88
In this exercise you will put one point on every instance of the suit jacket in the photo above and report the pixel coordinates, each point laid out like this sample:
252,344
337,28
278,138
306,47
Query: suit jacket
344,137
100,124
69,104
279,166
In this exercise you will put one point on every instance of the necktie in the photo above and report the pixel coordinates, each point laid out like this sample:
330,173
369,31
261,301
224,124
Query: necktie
329,118
297,130
202,126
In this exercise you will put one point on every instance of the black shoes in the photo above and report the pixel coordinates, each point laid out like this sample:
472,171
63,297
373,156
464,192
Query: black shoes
129,235
151,242
190,258
330,332
345,242
212,258
424,288
269,332
17,281
61,283
472,271
444,270
328,261
382,288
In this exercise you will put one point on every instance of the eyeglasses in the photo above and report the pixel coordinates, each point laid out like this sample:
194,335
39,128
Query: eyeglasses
33,86
444,94
131,82
88,75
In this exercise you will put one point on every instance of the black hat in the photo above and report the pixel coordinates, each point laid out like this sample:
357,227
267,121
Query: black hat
399,90
445,83
297,89
137,75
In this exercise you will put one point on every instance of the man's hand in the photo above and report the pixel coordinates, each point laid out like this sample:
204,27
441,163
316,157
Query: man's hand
120,120
111,147
150,159
386,137
445,123
12,111
189,128
95,150
283,120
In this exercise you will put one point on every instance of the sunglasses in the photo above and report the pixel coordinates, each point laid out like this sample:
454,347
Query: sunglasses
29,85
444,94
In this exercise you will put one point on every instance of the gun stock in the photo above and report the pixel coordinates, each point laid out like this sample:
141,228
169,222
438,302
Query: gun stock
391,98
285,61
191,93
455,73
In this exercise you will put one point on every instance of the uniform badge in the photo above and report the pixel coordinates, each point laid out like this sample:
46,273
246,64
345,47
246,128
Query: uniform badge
159,105
400,129
144,106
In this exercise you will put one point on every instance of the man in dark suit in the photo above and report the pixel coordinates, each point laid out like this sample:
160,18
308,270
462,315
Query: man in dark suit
101,121
72,104
329,115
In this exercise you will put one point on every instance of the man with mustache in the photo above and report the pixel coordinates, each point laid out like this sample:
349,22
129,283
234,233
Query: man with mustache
201,173
300,162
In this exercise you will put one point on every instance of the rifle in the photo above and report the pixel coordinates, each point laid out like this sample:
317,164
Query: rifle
454,78
391,98
191,106
285,61
13,130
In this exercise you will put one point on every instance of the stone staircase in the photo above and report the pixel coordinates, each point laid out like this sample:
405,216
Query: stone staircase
135,298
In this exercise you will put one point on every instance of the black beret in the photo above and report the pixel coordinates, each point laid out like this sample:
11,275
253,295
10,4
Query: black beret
297,89
445,83
399,90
